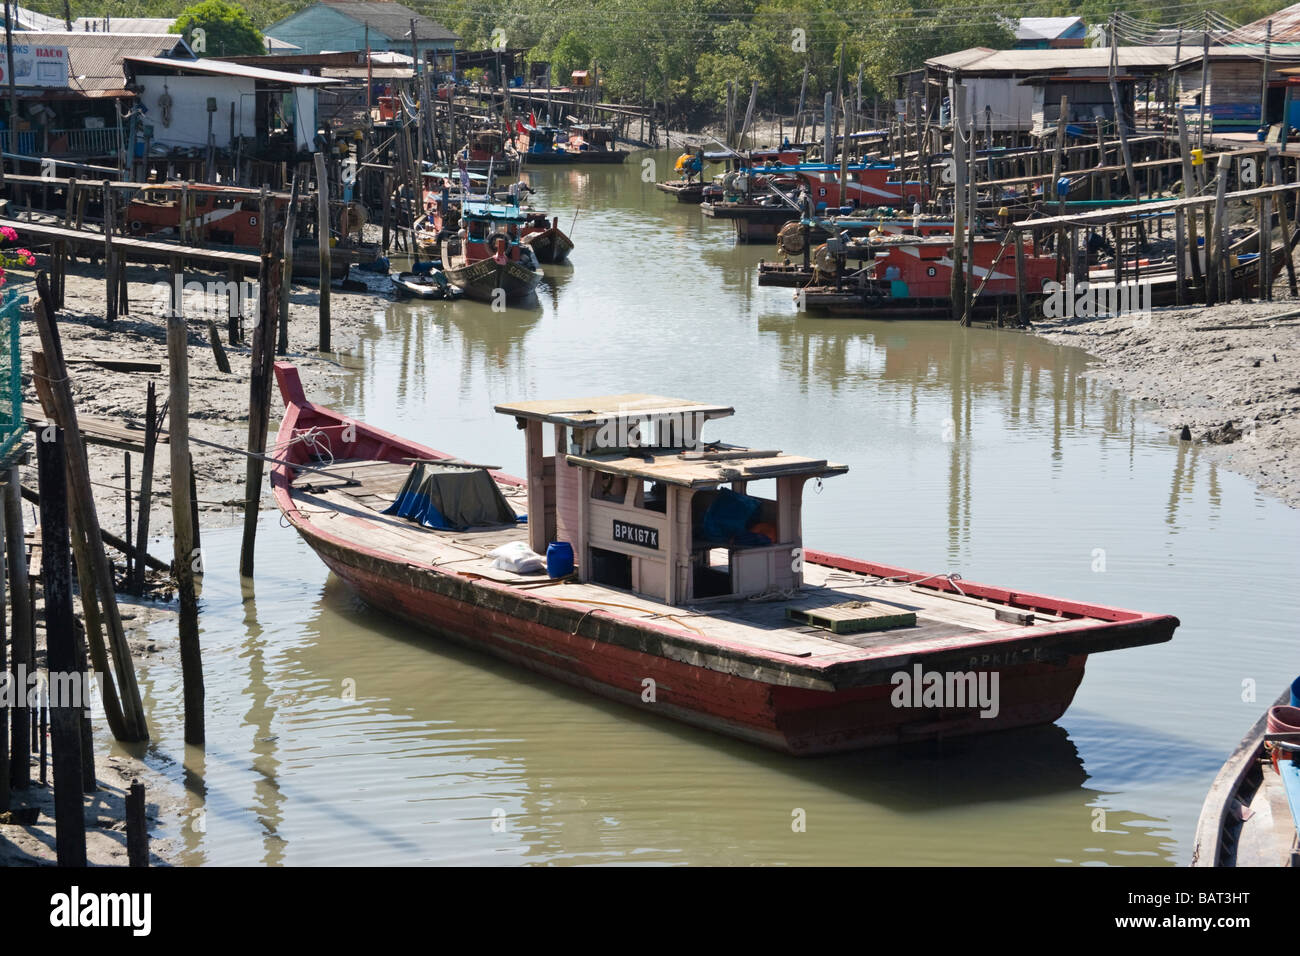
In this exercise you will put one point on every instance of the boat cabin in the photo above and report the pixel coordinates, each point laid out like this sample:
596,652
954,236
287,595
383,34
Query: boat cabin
485,224
649,507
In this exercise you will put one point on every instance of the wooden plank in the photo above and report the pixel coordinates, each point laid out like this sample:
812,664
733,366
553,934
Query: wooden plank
853,617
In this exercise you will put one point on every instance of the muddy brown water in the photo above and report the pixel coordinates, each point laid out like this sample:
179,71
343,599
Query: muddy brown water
338,736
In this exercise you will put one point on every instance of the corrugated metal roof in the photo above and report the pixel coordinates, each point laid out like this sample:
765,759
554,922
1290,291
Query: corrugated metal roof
391,19
223,68
122,24
95,59
1046,28
1040,61
1286,28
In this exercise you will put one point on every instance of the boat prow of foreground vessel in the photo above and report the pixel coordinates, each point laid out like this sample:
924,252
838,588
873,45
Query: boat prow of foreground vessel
687,595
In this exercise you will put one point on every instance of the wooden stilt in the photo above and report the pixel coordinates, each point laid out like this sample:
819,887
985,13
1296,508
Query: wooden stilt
24,631
56,578
146,487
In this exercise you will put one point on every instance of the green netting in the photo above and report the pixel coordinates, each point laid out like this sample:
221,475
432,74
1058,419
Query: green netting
12,426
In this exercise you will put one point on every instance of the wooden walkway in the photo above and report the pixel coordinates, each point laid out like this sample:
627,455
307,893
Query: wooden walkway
96,431
141,250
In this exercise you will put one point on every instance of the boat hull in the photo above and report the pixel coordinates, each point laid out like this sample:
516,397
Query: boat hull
795,720
586,157
482,278
551,246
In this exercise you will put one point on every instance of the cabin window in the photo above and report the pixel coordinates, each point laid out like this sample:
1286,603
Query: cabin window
612,488
476,231
610,569
653,496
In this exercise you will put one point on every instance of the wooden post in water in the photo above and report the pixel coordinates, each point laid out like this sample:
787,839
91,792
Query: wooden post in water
259,394
137,830
958,284
1022,303
24,629
184,553
1285,224
61,657
323,243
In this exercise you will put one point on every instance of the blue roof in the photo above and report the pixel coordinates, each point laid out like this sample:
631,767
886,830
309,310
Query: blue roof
495,211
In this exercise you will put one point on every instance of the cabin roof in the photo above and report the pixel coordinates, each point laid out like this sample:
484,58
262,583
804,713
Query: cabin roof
706,468
486,210
592,412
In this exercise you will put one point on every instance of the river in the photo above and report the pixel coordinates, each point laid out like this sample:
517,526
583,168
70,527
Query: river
337,736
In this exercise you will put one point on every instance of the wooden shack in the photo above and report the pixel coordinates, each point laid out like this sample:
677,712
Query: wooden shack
649,507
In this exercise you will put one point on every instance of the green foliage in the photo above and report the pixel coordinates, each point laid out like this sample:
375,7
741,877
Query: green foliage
689,50
218,28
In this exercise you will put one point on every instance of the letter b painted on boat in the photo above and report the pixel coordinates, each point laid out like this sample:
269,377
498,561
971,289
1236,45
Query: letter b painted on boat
799,820
648,174
648,690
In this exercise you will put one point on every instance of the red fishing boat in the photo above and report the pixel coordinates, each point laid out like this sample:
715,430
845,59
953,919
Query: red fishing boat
672,584
488,257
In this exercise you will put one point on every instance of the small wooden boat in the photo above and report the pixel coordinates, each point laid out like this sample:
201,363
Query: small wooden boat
488,259
686,191
670,587
1251,815
539,145
548,242
425,285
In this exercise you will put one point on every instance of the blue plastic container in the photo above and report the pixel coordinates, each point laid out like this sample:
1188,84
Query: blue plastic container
559,559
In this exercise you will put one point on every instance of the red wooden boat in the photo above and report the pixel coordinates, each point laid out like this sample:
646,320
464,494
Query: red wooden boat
670,608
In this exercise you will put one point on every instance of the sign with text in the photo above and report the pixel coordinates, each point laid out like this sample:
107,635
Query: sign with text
636,534
45,66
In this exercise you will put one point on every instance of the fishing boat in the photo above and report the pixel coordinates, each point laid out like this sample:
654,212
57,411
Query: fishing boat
547,240
1251,815
540,145
685,190
425,285
675,582
230,217
487,254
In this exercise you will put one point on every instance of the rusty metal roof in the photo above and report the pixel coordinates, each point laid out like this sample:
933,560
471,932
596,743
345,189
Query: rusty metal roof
1286,28
95,59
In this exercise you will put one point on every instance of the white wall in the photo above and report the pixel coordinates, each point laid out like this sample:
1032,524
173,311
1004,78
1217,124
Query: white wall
1013,104
189,111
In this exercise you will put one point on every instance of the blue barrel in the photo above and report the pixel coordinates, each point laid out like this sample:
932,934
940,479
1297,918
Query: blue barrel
559,559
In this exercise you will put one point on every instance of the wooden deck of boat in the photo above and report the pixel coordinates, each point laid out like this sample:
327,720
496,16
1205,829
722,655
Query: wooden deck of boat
351,512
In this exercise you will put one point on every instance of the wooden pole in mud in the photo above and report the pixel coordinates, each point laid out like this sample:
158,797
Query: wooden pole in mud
49,367
146,489
286,265
61,656
183,551
1189,190
259,390
323,244
24,631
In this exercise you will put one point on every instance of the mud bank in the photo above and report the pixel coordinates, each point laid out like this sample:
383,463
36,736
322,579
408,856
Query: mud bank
1230,374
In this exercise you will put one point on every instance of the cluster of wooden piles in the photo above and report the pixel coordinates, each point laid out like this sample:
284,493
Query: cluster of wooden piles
70,538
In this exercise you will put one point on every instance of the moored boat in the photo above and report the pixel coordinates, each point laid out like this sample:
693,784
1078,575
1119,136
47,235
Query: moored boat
673,589
425,285
1251,815
487,257
547,240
